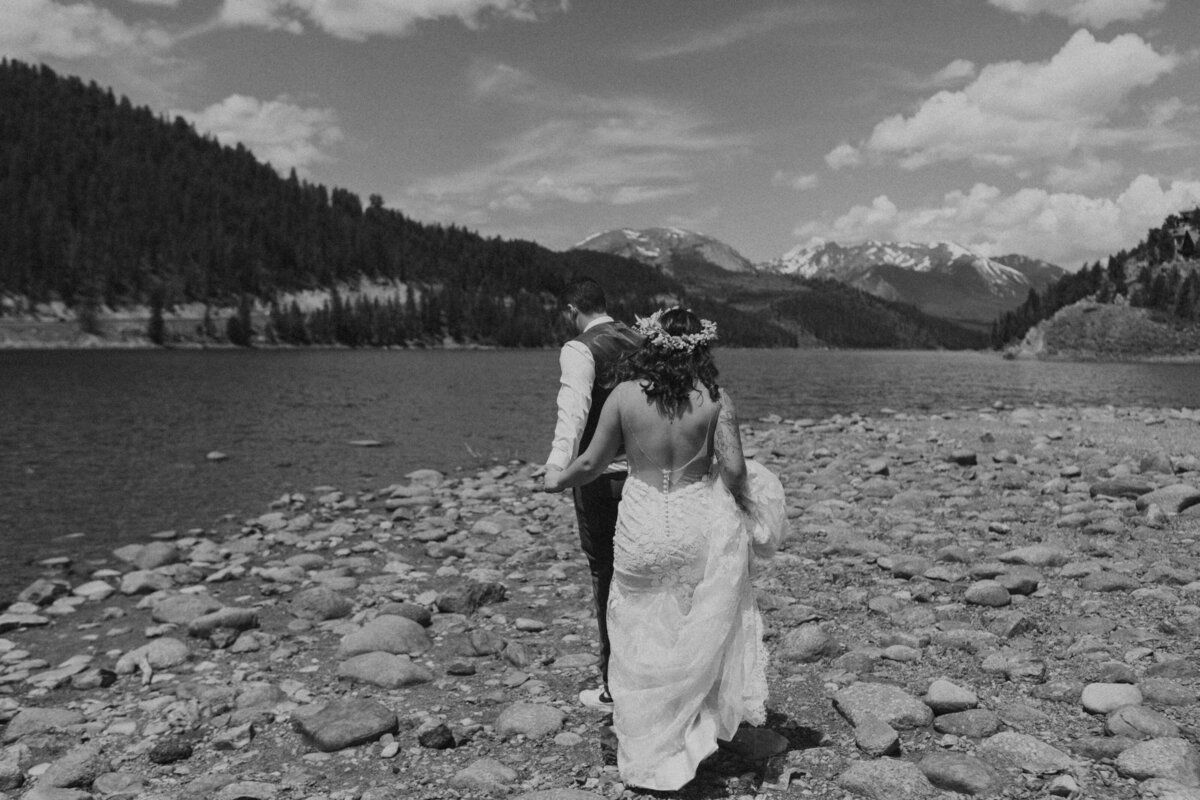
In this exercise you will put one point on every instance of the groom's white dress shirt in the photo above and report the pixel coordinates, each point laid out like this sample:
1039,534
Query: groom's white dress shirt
578,370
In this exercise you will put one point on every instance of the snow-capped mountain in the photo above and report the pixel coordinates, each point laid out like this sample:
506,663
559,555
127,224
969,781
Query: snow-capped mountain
940,278
661,247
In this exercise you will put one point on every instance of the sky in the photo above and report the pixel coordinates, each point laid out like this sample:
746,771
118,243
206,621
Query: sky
1056,129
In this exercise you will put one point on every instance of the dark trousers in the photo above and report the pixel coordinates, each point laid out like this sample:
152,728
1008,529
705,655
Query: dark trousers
596,509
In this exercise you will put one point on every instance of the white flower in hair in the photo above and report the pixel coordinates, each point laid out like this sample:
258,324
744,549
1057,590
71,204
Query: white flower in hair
651,328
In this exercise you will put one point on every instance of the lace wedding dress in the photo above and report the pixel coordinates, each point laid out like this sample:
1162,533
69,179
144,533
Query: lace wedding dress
688,662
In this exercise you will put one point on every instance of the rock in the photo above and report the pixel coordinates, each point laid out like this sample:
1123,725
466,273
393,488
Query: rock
386,634
170,749
808,643
1165,692
1011,749
1170,758
181,609
469,601
1139,722
320,603
886,779
229,618
1101,748
959,772
1104,581
1036,555
145,582
1101,698
559,794
417,613
530,719
1172,499
344,723
987,593
486,776
875,737
384,669
119,786
35,719
13,621
77,769
1127,487
13,761
437,737
889,703
1175,669
976,723
162,653
943,697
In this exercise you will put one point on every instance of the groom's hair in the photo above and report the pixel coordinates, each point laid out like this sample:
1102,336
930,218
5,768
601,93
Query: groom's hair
586,295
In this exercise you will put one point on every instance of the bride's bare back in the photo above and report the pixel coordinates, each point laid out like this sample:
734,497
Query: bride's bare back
668,451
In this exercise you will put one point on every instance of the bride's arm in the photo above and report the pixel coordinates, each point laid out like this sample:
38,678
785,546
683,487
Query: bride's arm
600,452
727,441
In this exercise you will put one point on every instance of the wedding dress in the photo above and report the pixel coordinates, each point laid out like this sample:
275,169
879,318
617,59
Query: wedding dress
688,662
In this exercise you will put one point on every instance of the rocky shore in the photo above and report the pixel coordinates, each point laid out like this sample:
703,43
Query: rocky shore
999,602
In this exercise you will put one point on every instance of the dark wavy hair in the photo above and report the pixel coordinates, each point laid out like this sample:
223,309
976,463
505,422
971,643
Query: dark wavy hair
667,375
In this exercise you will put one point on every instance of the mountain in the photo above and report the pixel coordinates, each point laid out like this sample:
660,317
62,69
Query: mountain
942,279
665,247
820,312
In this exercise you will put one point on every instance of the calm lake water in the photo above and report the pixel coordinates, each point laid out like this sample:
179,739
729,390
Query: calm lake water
112,444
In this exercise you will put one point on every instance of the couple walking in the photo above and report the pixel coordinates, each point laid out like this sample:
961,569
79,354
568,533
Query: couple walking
669,513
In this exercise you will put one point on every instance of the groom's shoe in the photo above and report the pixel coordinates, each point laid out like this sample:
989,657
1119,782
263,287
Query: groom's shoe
598,699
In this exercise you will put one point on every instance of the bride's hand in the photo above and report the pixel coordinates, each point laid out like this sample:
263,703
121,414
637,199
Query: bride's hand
551,481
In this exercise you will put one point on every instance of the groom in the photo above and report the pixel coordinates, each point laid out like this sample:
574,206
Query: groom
587,364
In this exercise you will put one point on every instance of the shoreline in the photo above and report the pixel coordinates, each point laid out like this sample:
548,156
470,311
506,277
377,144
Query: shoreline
1003,557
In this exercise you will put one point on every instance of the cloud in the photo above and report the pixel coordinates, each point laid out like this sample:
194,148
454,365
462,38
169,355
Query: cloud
1016,112
1094,13
738,30
357,20
285,135
585,149
1065,228
844,155
957,71
801,182
38,29
1087,173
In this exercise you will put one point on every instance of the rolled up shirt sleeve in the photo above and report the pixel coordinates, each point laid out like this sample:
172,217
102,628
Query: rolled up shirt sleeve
578,372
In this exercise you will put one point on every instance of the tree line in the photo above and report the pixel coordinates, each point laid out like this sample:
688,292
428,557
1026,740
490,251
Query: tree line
106,204
1160,274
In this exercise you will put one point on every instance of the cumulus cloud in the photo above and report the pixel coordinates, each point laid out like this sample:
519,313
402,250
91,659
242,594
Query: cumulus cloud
1094,13
801,182
1017,112
285,135
614,150
37,29
844,155
1065,228
357,20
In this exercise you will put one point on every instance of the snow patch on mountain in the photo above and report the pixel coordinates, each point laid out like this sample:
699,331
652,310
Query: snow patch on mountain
660,246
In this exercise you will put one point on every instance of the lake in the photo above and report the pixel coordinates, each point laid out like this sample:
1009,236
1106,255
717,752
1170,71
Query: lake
112,444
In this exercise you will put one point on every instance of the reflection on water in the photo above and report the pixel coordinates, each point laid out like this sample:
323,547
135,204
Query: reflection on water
112,443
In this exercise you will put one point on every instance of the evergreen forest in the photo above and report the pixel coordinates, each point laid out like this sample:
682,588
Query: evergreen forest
105,203
1159,274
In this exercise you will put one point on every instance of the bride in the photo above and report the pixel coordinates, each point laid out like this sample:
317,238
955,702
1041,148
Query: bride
687,655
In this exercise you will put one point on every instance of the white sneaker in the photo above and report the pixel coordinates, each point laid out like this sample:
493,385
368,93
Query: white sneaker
598,698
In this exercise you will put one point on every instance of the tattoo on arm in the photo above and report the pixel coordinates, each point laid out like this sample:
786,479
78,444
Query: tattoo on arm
727,441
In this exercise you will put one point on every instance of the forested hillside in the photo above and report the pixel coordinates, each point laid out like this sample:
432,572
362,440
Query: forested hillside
1159,274
102,203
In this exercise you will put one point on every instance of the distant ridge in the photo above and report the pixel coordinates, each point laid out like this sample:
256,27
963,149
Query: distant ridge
662,247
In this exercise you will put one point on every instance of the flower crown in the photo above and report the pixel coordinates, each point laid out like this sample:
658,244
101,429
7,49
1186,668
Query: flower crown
651,328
